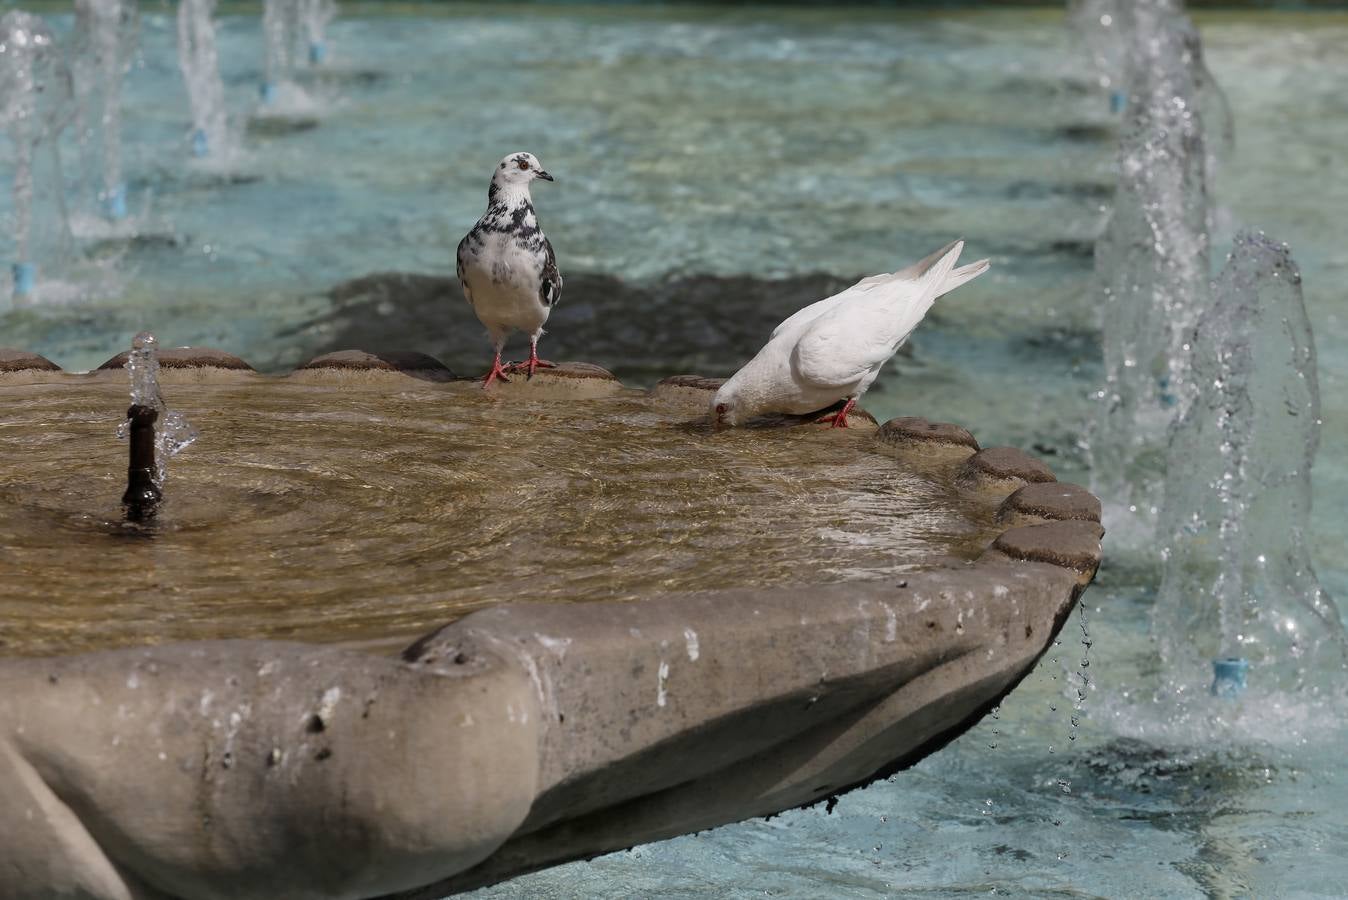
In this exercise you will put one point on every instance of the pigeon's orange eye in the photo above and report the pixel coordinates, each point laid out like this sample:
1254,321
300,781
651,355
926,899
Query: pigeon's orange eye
524,164
720,409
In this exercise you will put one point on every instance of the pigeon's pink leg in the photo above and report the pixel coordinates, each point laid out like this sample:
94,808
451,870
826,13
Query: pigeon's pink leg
495,373
533,363
839,418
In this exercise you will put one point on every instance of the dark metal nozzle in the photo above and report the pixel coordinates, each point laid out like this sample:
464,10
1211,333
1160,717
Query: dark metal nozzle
142,494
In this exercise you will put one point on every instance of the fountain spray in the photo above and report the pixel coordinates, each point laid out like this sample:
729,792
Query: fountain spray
105,37
200,64
1209,417
280,24
316,15
35,94
1238,583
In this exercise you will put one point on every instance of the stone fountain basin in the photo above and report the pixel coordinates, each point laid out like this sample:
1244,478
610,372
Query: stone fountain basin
683,627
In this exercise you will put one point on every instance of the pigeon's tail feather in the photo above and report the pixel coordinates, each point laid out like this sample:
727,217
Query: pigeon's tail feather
924,265
933,275
963,275
915,272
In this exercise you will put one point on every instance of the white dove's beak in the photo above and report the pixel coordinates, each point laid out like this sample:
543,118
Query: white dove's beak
542,173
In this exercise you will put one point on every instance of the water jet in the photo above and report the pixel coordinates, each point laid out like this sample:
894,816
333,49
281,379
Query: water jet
104,43
35,95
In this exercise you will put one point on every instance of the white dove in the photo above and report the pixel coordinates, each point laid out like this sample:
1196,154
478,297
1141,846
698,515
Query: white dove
506,264
832,350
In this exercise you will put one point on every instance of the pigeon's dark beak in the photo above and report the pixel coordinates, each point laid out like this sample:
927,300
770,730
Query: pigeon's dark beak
542,173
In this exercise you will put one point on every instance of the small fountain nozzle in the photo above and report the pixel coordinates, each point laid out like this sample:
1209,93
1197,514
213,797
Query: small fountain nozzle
267,91
25,278
142,494
1228,677
318,52
201,145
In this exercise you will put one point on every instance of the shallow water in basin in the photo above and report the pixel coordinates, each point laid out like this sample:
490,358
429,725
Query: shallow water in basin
363,513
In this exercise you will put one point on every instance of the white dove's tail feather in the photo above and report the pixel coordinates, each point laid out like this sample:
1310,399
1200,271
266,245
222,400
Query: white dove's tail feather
920,268
963,275
933,271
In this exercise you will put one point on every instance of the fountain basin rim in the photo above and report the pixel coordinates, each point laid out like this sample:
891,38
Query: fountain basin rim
603,725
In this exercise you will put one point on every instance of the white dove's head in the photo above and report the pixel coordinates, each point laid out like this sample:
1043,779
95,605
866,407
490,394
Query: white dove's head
518,169
726,408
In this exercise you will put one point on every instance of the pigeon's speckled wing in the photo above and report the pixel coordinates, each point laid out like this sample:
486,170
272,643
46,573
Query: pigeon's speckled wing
550,288
461,264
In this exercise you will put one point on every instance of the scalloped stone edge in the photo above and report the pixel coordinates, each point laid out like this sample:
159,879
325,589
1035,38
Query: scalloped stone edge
17,361
1002,469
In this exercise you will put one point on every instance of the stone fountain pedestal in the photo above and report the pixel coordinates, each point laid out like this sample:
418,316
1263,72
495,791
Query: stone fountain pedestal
526,734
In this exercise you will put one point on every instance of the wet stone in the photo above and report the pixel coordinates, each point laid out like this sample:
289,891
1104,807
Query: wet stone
916,430
1072,544
578,380
1050,500
690,392
405,362
998,466
12,360
186,358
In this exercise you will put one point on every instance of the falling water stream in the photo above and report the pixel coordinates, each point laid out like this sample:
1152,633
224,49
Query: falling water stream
199,60
35,94
102,48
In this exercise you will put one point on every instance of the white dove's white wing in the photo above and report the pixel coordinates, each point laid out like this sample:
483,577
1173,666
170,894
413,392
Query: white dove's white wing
844,344
805,315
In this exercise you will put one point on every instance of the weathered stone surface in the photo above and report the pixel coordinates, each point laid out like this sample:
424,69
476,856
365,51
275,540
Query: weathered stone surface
915,430
256,769
1049,501
690,392
1071,544
12,360
185,358
403,362
515,738
1003,468
746,703
568,380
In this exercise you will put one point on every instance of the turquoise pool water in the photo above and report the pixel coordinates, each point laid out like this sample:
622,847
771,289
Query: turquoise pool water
715,169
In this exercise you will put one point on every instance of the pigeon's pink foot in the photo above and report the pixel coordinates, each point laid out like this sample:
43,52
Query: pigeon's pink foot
839,418
496,373
531,365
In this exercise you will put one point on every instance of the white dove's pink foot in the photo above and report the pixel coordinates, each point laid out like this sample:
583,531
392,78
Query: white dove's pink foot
839,418
495,373
532,364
